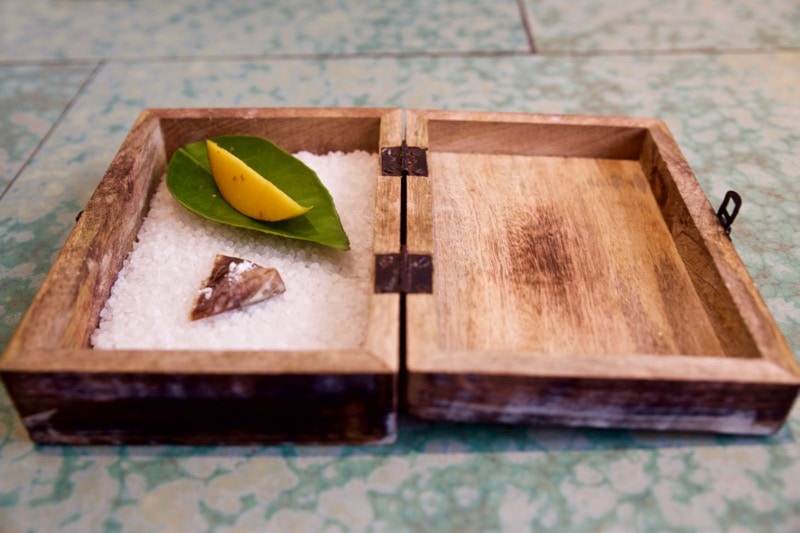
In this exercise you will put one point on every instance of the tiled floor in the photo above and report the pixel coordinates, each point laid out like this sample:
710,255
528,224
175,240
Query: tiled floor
597,26
724,76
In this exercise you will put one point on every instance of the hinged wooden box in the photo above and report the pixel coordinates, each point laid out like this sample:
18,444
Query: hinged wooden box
528,269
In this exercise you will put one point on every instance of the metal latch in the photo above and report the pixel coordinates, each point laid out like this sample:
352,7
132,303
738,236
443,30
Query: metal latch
726,217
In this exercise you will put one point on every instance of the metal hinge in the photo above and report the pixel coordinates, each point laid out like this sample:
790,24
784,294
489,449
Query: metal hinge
726,217
404,160
403,273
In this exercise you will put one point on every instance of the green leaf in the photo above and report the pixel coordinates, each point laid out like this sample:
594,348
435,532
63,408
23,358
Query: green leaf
190,181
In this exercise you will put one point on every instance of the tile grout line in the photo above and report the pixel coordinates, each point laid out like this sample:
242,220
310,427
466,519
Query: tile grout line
621,52
416,54
49,62
566,54
526,25
82,89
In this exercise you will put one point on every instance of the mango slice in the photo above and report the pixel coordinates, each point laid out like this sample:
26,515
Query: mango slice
247,191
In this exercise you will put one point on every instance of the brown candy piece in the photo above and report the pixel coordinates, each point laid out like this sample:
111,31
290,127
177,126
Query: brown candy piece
234,283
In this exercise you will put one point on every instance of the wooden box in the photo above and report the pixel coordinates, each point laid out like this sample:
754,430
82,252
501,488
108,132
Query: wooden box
67,392
581,277
528,269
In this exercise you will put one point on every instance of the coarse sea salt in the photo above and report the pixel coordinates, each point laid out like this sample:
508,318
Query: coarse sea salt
326,301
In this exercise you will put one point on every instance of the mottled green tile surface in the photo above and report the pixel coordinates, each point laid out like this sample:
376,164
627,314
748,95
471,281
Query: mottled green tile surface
734,114
32,99
648,25
155,29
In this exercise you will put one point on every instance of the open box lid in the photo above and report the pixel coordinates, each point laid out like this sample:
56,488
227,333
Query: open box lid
580,277
528,268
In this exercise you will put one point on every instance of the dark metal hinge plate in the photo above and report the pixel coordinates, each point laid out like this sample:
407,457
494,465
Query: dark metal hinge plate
403,273
404,160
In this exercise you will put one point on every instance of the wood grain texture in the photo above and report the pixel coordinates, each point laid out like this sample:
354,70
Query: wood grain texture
644,367
558,255
202,409
422,324
49,360
383,335
706,406
66,309
317,130
531,134
727,291
387,212
346,361
581,278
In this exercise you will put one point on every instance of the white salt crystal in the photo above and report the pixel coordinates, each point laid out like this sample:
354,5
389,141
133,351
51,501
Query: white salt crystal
326,300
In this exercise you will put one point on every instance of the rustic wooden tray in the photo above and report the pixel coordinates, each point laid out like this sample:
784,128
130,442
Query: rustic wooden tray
545,269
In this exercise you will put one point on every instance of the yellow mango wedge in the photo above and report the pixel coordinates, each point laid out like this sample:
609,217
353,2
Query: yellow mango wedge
247,191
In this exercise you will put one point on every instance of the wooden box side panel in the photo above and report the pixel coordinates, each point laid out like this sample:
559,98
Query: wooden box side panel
147,408
419,199
383,334
422,330
317,131
743,323
540,135
65,311
734,408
